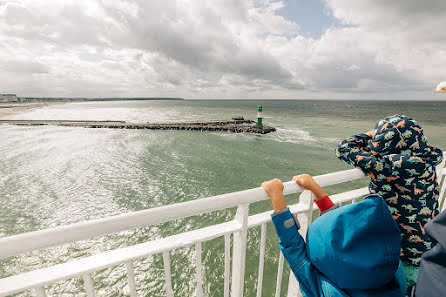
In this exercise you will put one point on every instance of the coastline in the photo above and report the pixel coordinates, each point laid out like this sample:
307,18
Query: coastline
13,108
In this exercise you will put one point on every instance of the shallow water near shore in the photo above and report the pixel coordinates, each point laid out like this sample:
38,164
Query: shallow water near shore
51,176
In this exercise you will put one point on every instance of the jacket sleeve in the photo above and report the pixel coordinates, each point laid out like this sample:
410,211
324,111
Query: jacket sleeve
355,151
292,246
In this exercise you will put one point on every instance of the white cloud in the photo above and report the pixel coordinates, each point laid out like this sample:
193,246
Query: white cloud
405,34
269,21
219,49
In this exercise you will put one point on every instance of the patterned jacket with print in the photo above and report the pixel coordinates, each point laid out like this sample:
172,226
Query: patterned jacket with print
401,165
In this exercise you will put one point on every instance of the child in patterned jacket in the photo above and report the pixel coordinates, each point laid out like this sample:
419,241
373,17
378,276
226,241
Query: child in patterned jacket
401,165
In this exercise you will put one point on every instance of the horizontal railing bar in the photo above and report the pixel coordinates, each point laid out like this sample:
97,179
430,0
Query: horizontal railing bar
347,196
24,242
44,276
17,244
93,263
265,217
45,238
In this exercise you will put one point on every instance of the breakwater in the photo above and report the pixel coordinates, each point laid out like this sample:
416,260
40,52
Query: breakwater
234,125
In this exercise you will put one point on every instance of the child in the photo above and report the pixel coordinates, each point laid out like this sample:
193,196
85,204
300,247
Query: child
401,165
350,251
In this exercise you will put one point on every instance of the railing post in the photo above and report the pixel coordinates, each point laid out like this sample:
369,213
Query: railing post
442,204
439,170
131,278
261,259
279,275
88,284
40,292
227,264
305,220
199,269
167,274
239,251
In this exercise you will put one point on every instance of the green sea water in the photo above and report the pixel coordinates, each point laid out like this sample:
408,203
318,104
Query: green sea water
51,176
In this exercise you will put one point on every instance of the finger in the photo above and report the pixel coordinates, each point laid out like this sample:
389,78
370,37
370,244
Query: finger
298,178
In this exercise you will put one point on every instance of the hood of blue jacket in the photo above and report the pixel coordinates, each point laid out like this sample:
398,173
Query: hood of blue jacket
356,246
399,134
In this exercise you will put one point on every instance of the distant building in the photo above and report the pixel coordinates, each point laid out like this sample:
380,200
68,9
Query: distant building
8,98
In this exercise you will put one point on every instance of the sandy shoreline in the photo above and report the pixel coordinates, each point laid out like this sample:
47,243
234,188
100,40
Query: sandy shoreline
13,108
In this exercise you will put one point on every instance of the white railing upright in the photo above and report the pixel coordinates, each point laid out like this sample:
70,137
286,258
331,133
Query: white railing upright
37,280
261,259
239,251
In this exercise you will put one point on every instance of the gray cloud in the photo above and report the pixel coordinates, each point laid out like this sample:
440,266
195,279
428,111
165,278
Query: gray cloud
69,27
27,67
410,19
202,41
218,48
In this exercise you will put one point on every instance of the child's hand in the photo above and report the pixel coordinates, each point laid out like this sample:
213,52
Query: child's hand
369,133
307,182
274,189
304,181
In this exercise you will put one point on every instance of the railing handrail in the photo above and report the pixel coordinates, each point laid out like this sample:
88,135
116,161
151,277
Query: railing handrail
25,242
76,267
39,278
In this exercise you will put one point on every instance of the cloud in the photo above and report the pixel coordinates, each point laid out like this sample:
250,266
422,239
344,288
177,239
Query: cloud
266,17
218,49
28,67
406,34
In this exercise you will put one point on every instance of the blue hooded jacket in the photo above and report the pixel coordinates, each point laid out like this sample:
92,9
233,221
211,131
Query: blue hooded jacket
351,251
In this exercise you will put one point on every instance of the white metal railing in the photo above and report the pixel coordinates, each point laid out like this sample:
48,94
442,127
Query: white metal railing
37,280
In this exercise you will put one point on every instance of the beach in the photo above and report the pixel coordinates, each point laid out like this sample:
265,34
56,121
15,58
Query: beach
13,108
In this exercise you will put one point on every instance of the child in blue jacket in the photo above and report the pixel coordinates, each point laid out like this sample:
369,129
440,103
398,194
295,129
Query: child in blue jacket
350,251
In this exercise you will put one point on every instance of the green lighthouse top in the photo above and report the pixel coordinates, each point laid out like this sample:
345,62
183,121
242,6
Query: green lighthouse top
259,117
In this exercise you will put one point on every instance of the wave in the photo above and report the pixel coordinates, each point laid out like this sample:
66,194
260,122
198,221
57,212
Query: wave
294,135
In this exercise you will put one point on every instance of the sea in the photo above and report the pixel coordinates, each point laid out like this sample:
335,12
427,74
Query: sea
52,176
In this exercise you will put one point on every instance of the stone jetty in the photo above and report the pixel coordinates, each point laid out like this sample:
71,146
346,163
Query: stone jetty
237,125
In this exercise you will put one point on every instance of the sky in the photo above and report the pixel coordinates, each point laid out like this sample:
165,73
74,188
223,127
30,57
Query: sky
223,49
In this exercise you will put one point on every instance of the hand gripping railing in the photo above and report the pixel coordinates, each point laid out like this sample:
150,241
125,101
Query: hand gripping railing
38,279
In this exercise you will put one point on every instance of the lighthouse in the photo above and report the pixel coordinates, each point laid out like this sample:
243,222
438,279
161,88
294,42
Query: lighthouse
259,116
